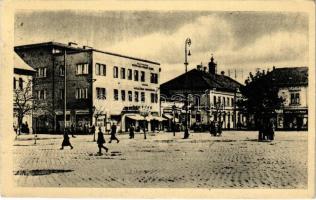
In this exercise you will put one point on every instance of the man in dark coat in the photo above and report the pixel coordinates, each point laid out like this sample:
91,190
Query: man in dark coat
131,131
219,128
101,141
213,128
113,132
66,141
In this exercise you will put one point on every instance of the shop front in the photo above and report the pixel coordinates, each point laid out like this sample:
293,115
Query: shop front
295,119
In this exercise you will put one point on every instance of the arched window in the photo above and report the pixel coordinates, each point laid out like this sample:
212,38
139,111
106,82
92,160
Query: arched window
61,71
21,83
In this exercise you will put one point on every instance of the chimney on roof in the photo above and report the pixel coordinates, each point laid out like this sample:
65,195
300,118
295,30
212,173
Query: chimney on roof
212,66
72,43
204,69
222,73
199,67
87,47
273,68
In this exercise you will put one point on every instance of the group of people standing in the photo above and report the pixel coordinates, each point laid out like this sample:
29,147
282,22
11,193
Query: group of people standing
216,128
266,131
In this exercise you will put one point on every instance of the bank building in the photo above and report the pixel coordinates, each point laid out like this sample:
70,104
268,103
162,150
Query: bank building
95,87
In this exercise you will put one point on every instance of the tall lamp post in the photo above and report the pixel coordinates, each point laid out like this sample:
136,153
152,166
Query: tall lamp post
93,112
186,54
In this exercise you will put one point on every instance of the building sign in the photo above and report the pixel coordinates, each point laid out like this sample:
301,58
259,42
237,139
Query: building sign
144,89
295,111
294,89
142,65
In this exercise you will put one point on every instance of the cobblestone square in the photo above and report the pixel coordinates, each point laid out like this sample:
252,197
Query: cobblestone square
235,160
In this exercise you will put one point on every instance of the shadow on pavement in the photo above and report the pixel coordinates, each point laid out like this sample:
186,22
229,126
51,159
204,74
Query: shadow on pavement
41,172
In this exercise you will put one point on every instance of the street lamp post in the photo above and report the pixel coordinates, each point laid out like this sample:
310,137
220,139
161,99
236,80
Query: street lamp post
186,54
65,89
93,110
144,112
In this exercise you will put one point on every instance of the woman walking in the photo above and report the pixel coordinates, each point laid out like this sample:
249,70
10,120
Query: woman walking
101,141
66,141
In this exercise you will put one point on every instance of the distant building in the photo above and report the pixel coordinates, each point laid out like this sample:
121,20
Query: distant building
212,96
119,88
293,88
22,86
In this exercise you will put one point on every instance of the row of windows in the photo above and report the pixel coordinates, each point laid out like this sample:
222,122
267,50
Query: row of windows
223,101
20,83
100,69
138,96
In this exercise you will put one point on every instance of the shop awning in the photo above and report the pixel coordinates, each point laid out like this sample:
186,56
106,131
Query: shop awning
168,116
136,117
149,118
58,112
82,112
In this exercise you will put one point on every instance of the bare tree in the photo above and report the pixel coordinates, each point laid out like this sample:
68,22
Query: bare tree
98,111
23,103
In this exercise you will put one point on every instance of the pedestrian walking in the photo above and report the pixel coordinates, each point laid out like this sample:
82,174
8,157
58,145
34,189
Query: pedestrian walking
113,132
213,128
72,130
101,141
66,141
261,131
131,131
219,128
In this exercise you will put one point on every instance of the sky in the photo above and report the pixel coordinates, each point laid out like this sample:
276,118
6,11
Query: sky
240,42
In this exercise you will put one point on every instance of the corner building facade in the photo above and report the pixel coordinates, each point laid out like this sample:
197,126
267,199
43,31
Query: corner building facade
101,87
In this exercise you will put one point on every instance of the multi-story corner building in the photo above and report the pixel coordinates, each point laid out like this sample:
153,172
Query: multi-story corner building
22,95
211,96
102,86
293,88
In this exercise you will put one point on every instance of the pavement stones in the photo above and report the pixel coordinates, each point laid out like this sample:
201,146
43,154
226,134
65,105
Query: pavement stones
235,160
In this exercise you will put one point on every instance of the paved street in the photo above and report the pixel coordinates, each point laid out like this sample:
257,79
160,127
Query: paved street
235,160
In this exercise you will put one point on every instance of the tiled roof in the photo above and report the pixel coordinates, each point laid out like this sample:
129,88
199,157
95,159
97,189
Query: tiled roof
200,80
289,76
